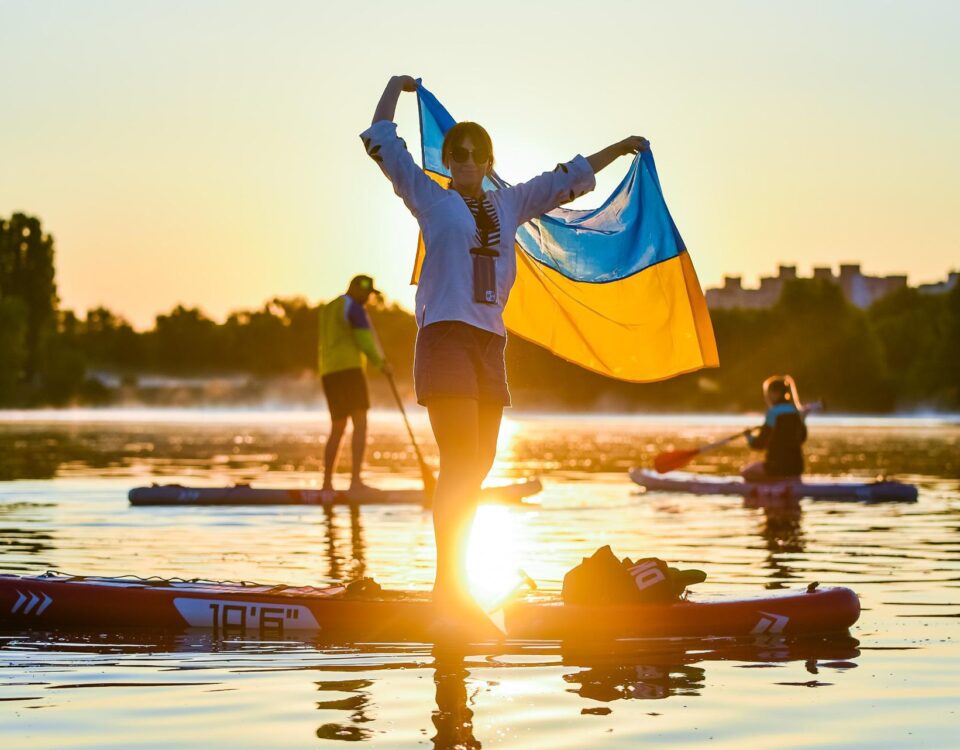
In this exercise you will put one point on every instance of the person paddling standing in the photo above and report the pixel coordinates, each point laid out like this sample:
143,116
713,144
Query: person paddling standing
346,343
468,270
782,434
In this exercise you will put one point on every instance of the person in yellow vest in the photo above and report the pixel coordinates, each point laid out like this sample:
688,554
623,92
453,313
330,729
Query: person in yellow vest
347,342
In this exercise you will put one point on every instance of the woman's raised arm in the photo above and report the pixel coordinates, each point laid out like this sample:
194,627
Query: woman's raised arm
569,181
388,150
387,106
632,145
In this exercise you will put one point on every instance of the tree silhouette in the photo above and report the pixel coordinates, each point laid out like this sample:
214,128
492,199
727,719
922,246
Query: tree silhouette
27,274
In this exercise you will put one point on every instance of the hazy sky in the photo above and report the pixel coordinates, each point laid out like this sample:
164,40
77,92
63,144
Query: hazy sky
206,153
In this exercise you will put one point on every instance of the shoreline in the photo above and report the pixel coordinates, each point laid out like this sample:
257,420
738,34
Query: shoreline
267,414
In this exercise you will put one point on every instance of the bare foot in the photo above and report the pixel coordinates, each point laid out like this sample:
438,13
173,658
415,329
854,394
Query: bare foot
327,495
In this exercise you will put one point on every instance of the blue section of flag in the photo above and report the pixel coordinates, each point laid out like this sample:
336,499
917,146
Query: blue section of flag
630,232
435,121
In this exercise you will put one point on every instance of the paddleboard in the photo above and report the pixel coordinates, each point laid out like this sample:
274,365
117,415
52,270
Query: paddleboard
56,600
700,484
245,494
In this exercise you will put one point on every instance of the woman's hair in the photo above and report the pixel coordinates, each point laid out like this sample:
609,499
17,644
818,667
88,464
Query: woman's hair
456,134
778,389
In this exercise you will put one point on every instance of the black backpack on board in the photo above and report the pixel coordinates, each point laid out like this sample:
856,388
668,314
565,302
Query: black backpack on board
602,578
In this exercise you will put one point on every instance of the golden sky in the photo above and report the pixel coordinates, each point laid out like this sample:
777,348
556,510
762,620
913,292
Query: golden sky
206,153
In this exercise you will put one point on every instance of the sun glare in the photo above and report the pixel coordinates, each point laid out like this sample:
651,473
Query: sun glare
493,562
509,429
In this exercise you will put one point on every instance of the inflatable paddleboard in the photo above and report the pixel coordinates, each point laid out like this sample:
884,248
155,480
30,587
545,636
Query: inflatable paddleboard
244,494
700,484
56,600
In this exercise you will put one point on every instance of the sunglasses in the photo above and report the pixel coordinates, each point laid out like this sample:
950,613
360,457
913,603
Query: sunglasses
461,155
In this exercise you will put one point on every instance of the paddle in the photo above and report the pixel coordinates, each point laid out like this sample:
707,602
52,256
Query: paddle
429,480
673,460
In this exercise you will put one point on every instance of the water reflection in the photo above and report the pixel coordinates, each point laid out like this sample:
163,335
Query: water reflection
637,681
781,528
352,693
355,705
243,453
30,539
540,445
351,565
26,542
29,454
655,674
453,717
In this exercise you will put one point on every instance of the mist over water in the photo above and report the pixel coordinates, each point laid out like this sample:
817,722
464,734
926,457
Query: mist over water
892,683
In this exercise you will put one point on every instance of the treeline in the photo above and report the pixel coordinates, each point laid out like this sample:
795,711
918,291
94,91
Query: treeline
902,353
52,356
278,339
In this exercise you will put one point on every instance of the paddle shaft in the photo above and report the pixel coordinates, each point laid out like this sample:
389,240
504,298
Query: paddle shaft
724,441
815,406
672,460
406,421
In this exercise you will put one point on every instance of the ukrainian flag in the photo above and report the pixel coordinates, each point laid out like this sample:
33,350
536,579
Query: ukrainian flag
611,289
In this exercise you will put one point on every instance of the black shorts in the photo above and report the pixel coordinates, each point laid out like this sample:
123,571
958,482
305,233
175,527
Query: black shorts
346,392
460,360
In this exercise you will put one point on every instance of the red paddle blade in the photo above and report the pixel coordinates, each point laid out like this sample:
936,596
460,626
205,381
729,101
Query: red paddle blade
672,460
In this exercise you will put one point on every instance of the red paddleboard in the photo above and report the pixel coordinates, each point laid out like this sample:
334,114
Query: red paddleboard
55,600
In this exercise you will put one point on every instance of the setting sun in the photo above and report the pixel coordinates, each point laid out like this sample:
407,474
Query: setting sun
493,567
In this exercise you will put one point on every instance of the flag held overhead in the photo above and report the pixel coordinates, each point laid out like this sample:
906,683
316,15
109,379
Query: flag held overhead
611,289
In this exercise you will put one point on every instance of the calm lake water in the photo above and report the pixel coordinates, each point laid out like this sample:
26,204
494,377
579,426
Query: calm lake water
892,684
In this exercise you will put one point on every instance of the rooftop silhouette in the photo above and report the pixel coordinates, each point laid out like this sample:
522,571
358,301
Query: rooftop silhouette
860,289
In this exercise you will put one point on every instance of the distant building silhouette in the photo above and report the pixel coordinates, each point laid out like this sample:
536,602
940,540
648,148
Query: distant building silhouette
941,287
859,289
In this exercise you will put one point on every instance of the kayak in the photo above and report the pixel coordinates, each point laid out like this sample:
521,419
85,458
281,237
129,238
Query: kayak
57,600
244,494
700,484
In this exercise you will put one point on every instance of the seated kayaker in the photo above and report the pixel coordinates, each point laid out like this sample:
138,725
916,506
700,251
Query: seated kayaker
782,434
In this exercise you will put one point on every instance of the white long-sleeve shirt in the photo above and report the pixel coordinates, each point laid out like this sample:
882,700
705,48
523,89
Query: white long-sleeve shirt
445,291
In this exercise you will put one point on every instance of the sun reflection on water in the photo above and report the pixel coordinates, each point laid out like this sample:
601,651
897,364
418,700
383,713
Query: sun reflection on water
493,561
506,444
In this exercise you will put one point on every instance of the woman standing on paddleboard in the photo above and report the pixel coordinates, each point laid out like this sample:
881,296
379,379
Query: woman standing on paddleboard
468,270
782,434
